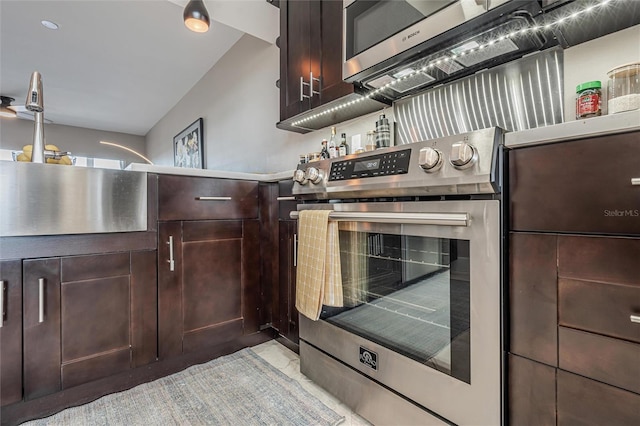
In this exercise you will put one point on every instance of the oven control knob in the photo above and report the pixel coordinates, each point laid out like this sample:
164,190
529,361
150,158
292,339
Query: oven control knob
298,176
314,175
430,159
463,155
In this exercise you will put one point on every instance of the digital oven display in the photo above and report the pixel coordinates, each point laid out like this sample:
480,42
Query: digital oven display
367,165
383,164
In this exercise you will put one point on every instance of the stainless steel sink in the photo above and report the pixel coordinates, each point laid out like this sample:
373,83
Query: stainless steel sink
49,199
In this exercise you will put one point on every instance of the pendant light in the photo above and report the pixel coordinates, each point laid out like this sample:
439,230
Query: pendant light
5,111
196,17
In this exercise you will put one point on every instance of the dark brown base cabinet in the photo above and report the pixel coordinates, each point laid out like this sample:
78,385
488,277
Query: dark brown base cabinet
80,318
574,284
208,263
212,294
11,332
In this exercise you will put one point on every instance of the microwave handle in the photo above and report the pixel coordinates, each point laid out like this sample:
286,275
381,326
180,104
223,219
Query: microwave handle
446,219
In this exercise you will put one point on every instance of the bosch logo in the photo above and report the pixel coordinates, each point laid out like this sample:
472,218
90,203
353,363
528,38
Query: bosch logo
413,34
369,358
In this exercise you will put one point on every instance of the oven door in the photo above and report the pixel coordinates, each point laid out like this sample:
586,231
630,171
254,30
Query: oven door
421,315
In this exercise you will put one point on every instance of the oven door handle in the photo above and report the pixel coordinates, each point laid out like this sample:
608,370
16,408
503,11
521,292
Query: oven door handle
447,219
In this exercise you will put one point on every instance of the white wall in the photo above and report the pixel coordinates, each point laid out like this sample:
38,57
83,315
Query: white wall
238,101
15,133
239,104
592,60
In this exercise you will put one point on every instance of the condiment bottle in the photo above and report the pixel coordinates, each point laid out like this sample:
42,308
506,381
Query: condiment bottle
343,149
324,152
588,100
333,147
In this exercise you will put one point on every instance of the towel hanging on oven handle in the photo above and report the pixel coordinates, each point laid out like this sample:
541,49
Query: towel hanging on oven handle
447,219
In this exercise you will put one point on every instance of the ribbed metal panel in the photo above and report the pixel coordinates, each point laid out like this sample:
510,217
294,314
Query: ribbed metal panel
524,94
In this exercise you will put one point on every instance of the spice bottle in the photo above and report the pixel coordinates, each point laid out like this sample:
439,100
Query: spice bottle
371,141
383,132
588,100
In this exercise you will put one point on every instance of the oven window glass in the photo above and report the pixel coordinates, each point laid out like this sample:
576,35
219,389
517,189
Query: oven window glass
409,294
370,22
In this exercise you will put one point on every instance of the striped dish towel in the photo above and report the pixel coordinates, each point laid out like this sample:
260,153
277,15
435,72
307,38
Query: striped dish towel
319,277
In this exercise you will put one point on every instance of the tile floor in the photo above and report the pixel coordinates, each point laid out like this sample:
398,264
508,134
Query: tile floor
288,362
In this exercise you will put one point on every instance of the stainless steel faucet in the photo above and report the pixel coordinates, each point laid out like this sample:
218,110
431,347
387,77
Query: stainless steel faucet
35,103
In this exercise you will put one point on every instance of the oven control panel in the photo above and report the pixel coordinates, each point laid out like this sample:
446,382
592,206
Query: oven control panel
391,163
459,164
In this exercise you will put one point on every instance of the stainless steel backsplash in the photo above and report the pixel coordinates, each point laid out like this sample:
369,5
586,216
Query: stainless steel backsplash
520,95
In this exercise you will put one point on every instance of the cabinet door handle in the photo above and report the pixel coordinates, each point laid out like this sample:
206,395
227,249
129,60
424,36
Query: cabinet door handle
285,198
40,300
635,181
302,84
635,318
295,249
1,303
214,198
172,263
311,80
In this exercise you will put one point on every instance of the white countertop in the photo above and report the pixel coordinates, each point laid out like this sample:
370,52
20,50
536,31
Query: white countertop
607,124
261,177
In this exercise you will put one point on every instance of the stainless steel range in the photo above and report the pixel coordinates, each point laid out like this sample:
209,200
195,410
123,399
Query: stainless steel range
418,340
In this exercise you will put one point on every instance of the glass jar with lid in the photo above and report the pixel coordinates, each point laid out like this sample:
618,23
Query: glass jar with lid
624,88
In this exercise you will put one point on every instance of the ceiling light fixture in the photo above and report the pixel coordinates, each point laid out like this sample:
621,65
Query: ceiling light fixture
4,107
49,24
196,17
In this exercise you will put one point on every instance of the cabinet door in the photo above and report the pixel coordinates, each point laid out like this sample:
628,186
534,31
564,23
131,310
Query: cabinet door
332,86
288,324
299,45
41,327
200,301
10,332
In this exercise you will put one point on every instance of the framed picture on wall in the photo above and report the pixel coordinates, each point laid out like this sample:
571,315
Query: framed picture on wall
188,147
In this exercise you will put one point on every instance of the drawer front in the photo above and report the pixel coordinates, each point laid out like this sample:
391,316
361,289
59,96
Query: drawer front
194,198
602,259
612,361
601,308
577,186
586,402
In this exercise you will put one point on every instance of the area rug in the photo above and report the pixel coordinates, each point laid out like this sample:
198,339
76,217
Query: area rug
237,389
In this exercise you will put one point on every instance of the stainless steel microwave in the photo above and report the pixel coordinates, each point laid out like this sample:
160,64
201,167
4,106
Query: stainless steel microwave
382,37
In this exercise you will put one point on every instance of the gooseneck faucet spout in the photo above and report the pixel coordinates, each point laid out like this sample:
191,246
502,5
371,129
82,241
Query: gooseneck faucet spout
35,103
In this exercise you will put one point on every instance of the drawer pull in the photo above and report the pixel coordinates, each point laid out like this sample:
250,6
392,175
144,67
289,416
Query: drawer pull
213,198
635,181
286,198
172,263
1,303
40,300
635,318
